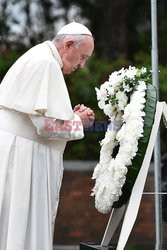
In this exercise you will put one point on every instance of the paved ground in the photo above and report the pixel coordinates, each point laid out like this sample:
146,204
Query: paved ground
65,247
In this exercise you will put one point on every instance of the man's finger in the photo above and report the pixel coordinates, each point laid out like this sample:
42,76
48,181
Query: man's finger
76,107
90,112
91,118
82,108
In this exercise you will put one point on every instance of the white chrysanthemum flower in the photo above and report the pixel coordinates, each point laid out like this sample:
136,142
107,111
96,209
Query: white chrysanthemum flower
108,110
143,70
126,88
131,72
105,85
110,90
122,99
98,94
101,104
115,79
101,94
121,133
142,86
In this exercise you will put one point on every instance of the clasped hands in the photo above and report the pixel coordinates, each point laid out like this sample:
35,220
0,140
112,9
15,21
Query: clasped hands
86,115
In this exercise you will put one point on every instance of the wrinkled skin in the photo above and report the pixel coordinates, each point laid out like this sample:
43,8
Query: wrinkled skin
75,55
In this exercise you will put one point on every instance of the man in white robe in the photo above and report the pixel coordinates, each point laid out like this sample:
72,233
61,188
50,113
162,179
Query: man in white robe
33,98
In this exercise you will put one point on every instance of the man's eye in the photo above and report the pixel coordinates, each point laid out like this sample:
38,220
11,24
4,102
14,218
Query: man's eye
84,57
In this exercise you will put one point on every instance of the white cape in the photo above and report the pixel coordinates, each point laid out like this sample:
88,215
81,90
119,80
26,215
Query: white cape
35,84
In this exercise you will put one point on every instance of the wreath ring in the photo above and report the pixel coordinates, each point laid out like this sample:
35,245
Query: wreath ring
127,96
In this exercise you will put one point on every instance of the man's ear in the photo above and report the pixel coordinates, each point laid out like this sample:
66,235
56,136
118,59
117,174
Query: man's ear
68,45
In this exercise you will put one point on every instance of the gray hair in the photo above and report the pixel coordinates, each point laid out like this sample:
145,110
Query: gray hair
79,39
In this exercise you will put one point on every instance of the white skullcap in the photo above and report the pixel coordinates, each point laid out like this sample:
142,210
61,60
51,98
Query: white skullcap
74,28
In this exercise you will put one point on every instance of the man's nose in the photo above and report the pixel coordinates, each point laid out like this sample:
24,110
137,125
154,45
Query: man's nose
82,63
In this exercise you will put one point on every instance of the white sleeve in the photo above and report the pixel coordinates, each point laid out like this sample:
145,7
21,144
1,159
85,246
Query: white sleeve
54,129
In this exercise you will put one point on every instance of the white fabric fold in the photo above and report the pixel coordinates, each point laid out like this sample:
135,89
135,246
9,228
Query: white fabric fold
30,180
54,129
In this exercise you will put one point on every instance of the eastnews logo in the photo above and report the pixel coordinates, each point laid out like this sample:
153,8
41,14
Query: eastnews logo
52,125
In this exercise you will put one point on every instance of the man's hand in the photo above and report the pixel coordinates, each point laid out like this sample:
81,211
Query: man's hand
86,114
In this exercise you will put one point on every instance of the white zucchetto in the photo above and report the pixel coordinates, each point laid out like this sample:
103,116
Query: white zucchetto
74,28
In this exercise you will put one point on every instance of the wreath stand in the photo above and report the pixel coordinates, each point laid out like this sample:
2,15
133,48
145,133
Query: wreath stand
130,210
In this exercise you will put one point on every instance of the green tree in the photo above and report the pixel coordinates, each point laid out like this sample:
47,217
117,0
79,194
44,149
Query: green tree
4,25
116,25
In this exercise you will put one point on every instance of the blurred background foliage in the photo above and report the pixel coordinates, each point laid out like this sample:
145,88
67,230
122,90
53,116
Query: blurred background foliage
122,32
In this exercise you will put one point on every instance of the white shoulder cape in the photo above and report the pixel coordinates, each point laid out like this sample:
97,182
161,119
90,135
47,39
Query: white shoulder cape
35,84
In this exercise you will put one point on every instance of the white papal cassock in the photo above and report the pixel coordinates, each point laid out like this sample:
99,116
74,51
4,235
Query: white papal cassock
31,167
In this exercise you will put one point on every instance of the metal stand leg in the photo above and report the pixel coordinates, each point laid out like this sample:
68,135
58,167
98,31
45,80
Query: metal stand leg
114,220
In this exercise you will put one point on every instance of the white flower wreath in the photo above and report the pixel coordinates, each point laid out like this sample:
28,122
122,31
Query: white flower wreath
122,98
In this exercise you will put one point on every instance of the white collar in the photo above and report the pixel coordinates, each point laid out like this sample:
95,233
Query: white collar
55,52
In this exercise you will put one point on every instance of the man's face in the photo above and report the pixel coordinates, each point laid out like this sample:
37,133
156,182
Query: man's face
75,56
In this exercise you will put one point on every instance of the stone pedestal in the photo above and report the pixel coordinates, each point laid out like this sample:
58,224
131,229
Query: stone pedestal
84,246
